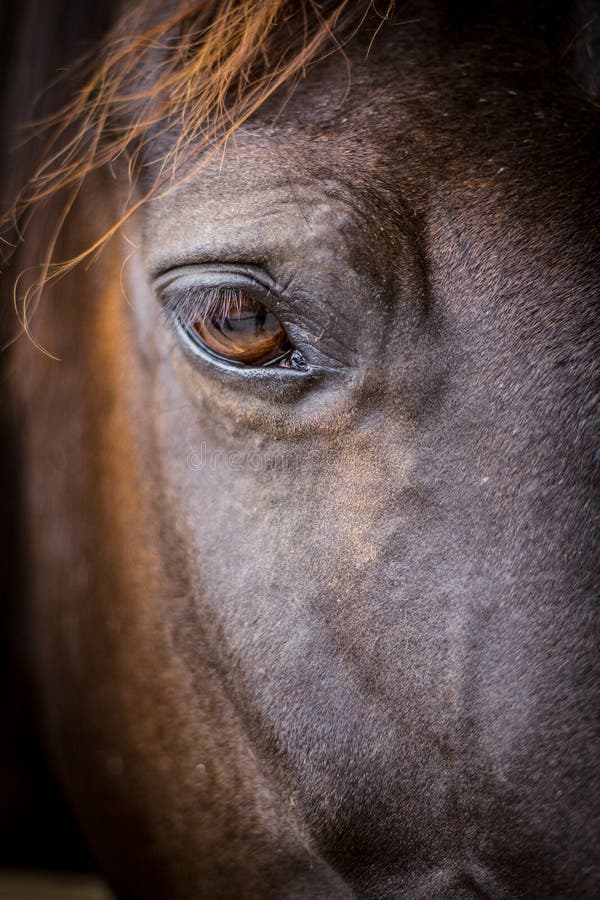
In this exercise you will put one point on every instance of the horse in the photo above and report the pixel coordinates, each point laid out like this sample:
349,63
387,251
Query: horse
305,378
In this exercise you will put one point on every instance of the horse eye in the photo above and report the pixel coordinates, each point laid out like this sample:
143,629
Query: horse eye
241,330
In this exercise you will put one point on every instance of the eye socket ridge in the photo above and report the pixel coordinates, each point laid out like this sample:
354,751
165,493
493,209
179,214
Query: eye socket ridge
228,317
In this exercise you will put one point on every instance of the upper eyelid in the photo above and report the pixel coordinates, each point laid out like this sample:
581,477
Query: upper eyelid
217,274
205,283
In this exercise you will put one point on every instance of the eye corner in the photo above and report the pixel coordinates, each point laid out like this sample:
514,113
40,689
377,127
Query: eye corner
297,361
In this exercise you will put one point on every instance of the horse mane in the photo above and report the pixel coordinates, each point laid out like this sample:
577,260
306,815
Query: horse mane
174,77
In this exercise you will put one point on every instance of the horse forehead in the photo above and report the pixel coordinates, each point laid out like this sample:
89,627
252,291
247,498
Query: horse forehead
392,124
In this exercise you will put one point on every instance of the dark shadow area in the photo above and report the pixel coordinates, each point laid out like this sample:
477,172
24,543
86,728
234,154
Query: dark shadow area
36,828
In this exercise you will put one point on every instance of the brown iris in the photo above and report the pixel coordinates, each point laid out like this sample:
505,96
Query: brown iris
242,330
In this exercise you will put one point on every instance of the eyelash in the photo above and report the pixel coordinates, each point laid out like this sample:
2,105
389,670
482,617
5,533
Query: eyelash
199,304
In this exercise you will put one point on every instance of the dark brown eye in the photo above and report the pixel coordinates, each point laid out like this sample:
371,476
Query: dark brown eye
240,329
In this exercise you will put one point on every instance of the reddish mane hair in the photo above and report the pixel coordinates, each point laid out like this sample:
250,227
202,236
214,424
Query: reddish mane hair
191,72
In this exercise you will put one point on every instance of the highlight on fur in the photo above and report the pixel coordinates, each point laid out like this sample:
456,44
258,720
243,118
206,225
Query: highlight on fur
180,76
